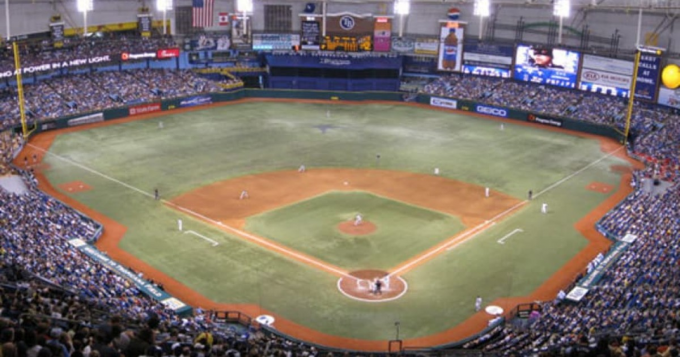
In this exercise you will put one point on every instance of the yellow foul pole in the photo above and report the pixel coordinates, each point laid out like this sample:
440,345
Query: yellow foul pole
20,90
631,97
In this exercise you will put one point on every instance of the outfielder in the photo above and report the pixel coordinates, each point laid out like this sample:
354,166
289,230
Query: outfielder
358,220
436,171
544,208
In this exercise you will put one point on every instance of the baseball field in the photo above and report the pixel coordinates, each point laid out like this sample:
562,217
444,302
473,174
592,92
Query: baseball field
291,249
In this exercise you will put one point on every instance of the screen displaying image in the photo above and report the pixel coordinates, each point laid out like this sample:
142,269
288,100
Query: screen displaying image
545,65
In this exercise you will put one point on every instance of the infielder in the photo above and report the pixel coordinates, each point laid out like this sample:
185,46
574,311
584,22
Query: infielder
302,168
486,192
244,194
436,171
478,303
179,224
358,220
544,208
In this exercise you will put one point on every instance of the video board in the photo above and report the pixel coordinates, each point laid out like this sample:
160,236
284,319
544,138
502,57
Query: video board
546,65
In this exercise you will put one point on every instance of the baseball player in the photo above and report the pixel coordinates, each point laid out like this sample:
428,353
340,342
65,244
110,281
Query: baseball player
544,208
160,125
302,168
436,171
378,286
156,195
530,195
486,192
244,195
478,303
358,220
502,126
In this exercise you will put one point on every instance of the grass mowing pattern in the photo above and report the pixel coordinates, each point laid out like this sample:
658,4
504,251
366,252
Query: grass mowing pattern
204,146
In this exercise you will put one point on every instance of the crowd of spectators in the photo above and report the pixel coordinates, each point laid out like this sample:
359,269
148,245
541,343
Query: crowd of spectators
34,54
96,91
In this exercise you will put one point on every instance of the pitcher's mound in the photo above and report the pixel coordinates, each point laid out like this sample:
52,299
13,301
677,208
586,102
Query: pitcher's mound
360,285
362,229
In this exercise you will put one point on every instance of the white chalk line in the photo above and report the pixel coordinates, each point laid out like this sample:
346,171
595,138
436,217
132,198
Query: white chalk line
369,300
472,236
502,240
196,214
214,244
479,228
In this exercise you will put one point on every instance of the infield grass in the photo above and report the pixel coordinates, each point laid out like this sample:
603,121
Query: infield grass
310,226
204,146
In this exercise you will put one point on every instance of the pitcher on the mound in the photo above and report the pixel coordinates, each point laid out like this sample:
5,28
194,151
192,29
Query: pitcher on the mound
358,220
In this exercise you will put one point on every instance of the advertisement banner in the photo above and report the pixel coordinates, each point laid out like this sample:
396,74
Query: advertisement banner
349,24
426,46
194,101
269,42
211,42
545,65
443,103
241,38
125,56
382,34
143,285
403,44
311,35
606,75
87,119
647,82
50,66
670,96
545,121
489,110
145,109
168,53
450,48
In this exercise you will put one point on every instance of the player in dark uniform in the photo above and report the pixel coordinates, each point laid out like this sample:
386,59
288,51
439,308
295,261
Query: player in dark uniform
530,195
156,195
378,287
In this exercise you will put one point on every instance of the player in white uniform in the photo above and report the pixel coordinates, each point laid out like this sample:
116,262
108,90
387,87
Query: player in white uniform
244,194
544,208
478,303
302,168
486,192
358,220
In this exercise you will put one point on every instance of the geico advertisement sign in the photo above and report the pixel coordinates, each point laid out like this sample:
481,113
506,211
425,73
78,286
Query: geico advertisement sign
444,103
497,112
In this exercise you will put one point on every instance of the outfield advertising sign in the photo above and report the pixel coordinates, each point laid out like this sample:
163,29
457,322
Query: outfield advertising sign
194,101
647,81
532,118
145,109
443,103
488,110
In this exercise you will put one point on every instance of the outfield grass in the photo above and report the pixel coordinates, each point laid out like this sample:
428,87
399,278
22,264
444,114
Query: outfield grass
200,147
310,226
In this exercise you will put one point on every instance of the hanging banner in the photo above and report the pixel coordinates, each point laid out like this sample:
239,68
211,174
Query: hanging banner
211,41
647,82
311,35
144,25
269,42
382,34
403,44
241,38
57,34
451,37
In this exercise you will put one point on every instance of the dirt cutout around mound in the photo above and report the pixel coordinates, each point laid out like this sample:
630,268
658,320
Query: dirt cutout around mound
114,232
361,285
362,229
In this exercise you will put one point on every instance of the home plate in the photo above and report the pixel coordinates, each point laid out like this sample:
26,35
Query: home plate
494,310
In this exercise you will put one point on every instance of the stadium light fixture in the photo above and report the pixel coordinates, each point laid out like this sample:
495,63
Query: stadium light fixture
244,5
481,8
402,8
164,6
561,9
84,6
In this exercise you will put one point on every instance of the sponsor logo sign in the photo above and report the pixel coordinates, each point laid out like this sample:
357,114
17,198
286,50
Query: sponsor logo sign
194,101
497,112
443,103
606,76
168,53
335,62
486,71
145,108
87,119
265,41
403,44
426,46
126,56
545,121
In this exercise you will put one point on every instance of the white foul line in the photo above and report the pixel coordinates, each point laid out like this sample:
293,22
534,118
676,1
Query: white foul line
214,244
502,240
452,247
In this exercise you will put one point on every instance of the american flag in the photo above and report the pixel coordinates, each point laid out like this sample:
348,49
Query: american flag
202,13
